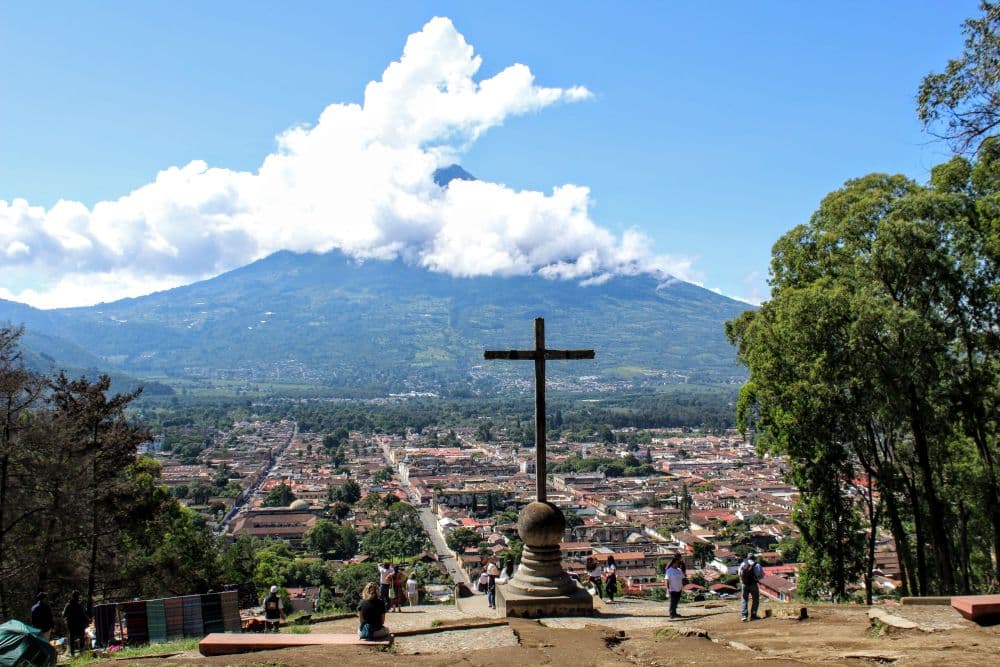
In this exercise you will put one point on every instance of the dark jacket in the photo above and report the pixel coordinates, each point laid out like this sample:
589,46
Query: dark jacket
272,607
75,615
41,616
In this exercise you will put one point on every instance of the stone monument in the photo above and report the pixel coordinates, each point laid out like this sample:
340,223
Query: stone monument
539,587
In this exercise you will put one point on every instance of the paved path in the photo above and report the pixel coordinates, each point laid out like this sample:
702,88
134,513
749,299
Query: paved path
458,575
426,616
625,614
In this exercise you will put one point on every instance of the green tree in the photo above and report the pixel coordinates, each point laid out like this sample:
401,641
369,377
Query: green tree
20,389
331,540
239,561
686,502
879,350
382,476
200,493
962,103
349,492
704,552
185,558
96,425
280,496
461,538
275,563
351,580
400,541
484,432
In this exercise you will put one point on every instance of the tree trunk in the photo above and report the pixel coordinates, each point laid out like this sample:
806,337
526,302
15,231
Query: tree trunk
963,544
94,524
900,537
935,508
874,514
918,536
5,445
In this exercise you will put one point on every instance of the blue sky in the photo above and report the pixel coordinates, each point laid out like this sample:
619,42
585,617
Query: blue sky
706,130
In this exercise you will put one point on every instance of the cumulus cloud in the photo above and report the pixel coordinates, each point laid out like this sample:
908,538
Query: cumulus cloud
360,180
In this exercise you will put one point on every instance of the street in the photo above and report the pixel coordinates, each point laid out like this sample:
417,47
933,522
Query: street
429,521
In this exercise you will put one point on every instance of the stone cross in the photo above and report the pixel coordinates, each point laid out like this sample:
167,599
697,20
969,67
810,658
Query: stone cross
539,355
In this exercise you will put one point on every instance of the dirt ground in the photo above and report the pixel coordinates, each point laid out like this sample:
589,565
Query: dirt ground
640,634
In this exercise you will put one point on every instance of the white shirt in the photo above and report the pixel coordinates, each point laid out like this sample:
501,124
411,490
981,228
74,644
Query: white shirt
385,574
493,570
411,586
675,579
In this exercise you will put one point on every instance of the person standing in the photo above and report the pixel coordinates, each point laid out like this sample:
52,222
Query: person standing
594,573
482,580
750,574
41,614
675,583
385,573
611,578
77,621
398,594
412,594
492,572
274,610
371,614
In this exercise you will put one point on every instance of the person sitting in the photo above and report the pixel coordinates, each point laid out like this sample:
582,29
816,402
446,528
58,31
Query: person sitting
371,614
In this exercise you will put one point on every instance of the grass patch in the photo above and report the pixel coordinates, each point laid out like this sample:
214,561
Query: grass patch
299,629
666,634
437,623
176,646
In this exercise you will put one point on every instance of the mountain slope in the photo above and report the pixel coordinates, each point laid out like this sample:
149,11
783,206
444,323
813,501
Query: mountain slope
327,319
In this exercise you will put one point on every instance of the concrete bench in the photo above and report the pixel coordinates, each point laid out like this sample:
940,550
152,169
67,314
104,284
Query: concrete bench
977,608
220,643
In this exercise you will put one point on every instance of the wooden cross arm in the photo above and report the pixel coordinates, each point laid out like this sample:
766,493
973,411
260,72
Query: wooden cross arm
569,354
532,354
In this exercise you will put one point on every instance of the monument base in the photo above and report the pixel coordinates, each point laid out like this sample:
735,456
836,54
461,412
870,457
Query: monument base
510,603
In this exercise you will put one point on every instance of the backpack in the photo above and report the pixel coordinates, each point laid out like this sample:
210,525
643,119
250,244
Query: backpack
748,574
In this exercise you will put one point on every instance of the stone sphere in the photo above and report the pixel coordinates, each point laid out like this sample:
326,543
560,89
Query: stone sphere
541,524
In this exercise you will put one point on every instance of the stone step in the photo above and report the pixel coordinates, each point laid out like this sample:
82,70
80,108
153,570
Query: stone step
220,643
977,608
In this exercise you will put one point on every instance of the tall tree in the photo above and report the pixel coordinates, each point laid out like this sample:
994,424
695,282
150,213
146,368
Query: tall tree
107,443
20,388
879,350
962,104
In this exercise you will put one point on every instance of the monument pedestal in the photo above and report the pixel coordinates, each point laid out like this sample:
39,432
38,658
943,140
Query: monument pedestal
512,604
540,587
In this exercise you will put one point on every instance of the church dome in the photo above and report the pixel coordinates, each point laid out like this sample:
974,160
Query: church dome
299,504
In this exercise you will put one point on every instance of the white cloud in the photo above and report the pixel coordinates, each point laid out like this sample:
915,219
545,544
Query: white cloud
359,180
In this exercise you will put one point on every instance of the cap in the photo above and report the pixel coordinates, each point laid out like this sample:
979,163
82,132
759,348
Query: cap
274,589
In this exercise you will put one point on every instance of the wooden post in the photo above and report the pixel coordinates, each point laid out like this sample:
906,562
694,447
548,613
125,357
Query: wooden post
540,473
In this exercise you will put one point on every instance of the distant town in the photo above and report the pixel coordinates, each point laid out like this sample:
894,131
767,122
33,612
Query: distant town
641,495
